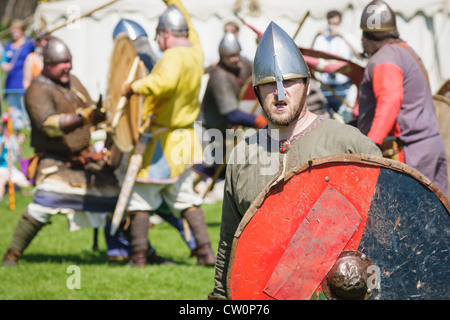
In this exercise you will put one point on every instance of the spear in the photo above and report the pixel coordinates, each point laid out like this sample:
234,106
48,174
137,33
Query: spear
301,24
75,19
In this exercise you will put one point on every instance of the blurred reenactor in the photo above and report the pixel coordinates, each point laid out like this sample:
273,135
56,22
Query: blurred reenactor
395,100
70,177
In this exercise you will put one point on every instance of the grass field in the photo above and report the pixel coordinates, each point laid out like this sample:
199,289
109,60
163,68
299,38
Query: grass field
45,271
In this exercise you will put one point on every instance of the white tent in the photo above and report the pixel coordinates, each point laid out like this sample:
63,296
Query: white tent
424,24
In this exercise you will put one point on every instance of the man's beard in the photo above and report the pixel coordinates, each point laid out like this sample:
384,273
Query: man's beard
233,69
292,117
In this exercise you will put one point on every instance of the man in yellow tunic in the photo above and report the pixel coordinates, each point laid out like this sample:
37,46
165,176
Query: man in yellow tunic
171,93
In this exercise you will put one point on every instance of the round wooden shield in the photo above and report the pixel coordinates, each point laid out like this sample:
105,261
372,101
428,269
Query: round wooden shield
386,212
125,134
442,107
444,89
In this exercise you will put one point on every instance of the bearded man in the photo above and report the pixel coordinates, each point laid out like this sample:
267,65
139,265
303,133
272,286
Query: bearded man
70,178
294,136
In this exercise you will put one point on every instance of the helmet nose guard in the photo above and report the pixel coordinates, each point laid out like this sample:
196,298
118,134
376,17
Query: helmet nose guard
278,58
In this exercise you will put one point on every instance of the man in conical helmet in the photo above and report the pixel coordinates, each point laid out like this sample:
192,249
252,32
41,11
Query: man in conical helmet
70,178
171,93
395,99
293,136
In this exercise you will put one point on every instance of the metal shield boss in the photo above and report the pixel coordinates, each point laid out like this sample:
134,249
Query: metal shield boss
125,134
348,226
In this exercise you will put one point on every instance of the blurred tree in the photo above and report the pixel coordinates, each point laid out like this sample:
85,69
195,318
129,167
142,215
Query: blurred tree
16,9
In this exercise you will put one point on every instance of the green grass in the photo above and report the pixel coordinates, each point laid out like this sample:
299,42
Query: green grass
42,273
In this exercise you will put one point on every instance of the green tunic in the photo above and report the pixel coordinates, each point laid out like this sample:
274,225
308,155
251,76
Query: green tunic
256,161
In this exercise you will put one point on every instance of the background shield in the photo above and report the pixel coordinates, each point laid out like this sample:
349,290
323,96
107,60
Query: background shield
441,101
126,133
292,234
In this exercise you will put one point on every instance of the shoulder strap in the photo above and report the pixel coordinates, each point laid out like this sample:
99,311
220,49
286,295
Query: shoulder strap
417,60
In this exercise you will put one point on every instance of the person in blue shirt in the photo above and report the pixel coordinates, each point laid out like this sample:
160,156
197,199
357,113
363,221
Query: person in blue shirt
12,62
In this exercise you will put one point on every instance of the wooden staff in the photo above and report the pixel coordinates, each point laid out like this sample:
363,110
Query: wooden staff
30,18
12,195
301,24
78,18
335,114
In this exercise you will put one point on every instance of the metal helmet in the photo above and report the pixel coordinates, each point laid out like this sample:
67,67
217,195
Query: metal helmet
229,45
377,16
131,28
278,58
172,19
56,51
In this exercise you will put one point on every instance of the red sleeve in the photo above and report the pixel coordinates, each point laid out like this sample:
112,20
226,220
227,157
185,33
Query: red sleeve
387,85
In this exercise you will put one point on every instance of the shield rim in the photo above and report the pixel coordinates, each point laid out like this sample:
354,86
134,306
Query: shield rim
440,98
133,105
338,158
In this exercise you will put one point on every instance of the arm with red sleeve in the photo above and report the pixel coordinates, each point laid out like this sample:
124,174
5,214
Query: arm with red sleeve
387,82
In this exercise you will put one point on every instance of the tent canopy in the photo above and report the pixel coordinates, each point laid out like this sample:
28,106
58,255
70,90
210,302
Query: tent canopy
424,24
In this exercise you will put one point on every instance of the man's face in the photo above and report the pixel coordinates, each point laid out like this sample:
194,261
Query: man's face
283,112
334,21
161,38
59,72
16,33
333,25
231,62
369,46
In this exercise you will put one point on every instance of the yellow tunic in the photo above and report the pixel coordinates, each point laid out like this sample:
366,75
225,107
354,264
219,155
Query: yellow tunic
172,91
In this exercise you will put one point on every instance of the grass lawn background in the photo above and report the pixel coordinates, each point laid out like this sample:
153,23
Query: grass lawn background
43,271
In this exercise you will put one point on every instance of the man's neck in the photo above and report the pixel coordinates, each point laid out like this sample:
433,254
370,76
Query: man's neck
179,42
287,132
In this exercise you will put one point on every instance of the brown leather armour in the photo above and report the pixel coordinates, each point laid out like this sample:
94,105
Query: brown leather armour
44,98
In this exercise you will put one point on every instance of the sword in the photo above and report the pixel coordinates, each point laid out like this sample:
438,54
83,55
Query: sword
133,168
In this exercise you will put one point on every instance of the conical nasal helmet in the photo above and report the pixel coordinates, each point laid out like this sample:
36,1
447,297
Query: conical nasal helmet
56,51
278,58
229,45
172,19
377,16
131,28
